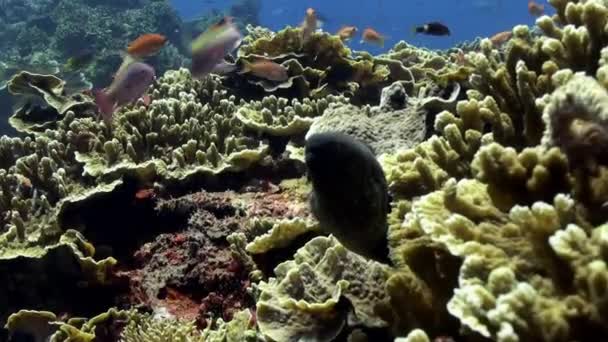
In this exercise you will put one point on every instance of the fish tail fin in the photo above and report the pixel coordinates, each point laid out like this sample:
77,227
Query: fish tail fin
105,104
383,39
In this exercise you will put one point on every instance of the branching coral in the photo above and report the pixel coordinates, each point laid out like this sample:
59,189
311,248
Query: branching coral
496,246
175,131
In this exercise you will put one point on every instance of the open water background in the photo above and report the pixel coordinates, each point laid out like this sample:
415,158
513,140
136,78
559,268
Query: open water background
466,19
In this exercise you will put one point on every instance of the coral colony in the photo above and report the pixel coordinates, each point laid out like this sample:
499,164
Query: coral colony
187,216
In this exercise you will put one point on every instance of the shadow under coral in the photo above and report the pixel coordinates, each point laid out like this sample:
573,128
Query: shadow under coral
173,255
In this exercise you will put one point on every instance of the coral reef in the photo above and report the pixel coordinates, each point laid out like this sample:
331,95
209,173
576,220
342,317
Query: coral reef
55,101
187,218
53,31
303,302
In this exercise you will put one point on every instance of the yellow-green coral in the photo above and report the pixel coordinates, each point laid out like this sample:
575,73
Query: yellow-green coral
510,279
36,324
575,116
492,235
177,135
536,173
302,301
144,328
424,65
51,89
280,235
280,117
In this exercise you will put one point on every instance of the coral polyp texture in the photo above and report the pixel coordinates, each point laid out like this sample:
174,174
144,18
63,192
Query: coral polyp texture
186,217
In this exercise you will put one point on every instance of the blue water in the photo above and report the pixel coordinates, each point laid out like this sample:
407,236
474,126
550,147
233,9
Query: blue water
467,19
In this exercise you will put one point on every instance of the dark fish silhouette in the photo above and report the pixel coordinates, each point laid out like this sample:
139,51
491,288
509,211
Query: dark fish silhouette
350,195
433,29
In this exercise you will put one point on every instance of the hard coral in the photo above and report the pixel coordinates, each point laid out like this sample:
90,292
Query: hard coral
497,228
576,121
303,301
174,118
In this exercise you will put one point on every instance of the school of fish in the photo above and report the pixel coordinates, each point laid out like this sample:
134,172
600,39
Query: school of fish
209,49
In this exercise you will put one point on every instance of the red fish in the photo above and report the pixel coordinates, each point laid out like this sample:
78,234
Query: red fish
145,194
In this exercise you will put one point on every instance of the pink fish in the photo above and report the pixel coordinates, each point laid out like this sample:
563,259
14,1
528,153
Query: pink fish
209,49
130,84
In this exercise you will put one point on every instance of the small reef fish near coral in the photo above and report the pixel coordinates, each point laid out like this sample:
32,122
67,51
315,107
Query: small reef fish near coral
129,85
146,45
209,49
167,175
265,69
346,32
371,36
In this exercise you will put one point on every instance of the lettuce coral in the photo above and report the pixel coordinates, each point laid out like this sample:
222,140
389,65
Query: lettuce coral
276,116
303,301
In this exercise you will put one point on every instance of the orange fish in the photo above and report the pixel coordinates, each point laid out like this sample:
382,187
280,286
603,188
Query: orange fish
267,69
373,37
146,45
501,37
535,9
346,32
